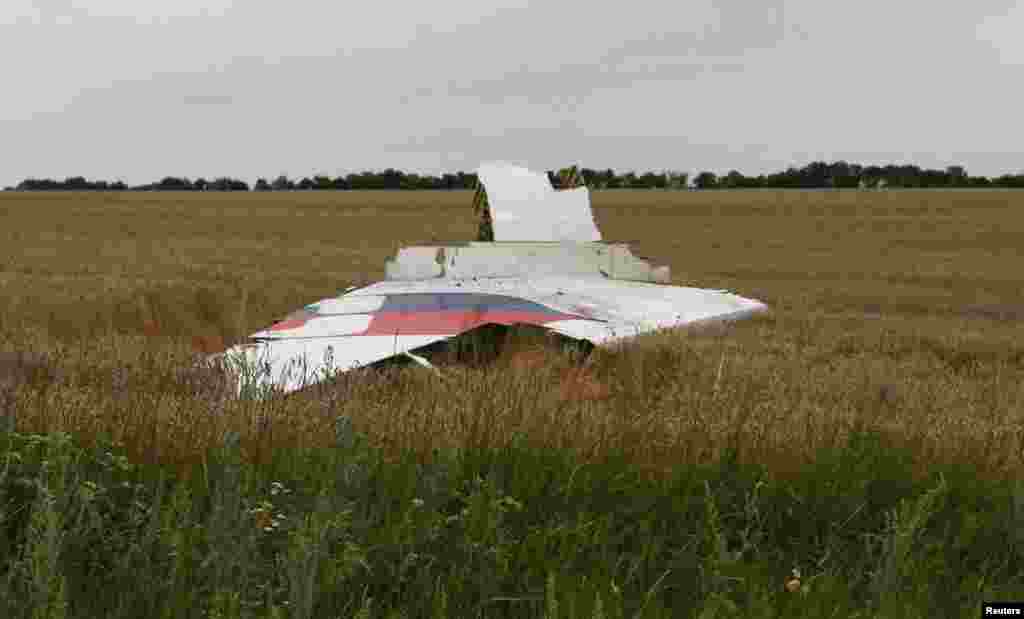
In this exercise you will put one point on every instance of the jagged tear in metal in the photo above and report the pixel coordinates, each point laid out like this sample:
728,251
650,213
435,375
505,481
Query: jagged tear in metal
525,207
546,267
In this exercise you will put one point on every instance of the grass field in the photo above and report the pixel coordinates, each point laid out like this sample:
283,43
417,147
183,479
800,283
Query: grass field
869,432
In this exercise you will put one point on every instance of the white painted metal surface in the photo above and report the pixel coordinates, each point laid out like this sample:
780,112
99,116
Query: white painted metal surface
598,310
561,280
294,363
522,259
525,207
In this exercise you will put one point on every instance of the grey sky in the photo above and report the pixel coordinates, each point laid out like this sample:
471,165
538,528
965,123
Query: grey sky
139,89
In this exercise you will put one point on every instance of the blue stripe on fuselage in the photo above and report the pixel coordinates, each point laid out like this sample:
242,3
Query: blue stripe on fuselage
460,301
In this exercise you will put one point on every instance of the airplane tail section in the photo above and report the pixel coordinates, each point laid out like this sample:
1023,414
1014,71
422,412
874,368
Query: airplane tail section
525,207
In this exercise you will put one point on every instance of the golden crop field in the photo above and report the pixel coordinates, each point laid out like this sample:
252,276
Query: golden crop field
903,309
857,452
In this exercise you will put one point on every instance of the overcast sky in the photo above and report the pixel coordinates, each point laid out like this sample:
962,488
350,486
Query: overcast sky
140,89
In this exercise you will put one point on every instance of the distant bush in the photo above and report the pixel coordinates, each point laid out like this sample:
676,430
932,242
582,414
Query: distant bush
817,175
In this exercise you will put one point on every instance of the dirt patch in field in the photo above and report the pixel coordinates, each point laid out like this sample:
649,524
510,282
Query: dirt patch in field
19,367
1010,312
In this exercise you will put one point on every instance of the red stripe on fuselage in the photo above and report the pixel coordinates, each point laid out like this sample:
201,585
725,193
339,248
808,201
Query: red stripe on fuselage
452,322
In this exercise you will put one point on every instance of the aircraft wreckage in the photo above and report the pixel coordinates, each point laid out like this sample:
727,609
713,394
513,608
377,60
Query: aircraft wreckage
543,264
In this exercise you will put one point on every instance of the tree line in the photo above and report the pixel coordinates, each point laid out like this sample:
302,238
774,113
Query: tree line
840,174
817,175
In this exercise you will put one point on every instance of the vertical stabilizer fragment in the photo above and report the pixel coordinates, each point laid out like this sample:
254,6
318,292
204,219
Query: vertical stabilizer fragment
524,206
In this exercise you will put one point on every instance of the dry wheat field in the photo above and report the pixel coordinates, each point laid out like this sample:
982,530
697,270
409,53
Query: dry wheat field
857,452
901,308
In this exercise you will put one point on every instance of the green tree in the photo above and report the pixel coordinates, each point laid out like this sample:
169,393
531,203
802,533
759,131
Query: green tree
676,180
732,180
957,175
705,180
